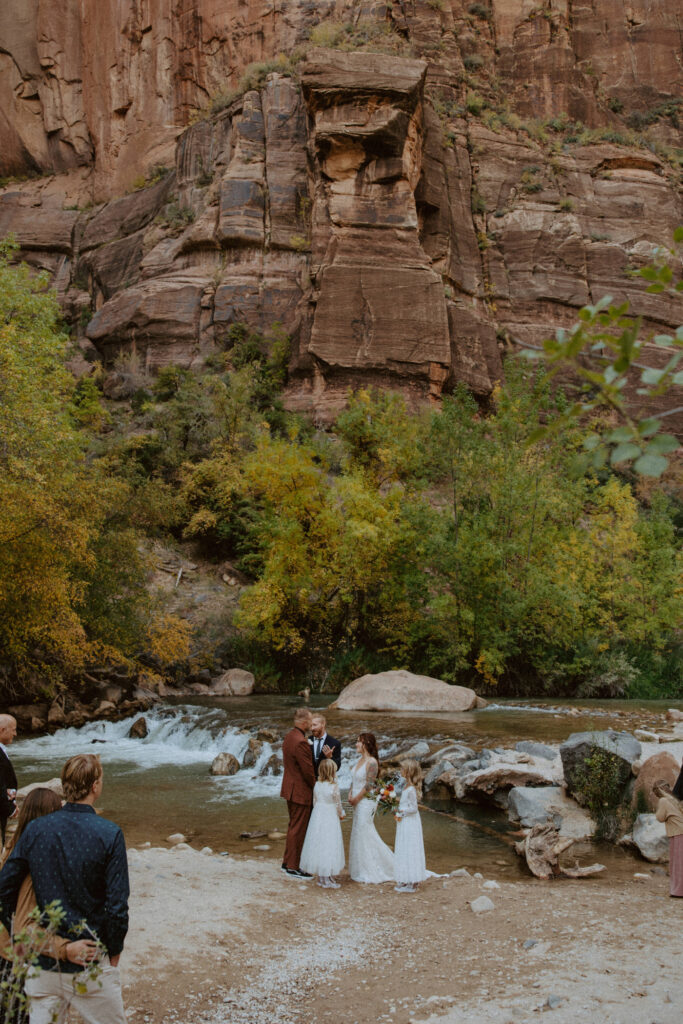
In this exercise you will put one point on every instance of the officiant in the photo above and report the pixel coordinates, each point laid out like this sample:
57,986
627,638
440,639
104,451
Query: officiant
323,745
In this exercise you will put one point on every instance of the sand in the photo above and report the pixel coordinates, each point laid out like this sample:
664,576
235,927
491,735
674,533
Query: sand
231,940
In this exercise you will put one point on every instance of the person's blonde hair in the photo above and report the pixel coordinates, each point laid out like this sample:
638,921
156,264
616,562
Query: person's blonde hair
327,772
412,773
79,774
301,714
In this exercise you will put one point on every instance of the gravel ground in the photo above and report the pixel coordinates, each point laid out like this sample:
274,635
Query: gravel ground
218,940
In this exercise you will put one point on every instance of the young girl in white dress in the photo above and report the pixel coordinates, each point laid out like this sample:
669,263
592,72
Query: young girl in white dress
409,854
323,849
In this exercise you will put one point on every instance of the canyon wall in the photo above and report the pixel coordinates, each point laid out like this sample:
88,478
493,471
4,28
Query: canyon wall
439,183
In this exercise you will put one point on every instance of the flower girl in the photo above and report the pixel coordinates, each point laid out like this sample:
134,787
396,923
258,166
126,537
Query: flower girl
323,849
409,854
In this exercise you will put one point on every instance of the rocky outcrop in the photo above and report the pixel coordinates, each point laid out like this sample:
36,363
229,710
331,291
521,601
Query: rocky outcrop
225,764
542,805
622,748
403,215
236,682
403,691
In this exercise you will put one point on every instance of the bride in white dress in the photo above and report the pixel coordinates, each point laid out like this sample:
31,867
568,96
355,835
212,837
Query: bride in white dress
370,859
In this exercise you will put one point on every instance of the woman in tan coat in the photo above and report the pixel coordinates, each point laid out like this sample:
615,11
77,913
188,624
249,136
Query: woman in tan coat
670,811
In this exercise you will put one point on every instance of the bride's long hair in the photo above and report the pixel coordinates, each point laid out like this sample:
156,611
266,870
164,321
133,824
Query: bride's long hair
370,743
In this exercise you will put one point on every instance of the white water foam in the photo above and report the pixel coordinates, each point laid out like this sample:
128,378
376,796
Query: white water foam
182,736
525,708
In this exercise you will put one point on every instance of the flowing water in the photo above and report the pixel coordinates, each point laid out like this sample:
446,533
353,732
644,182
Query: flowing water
161,784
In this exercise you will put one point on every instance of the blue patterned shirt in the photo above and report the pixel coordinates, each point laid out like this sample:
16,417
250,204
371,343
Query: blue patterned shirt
79,859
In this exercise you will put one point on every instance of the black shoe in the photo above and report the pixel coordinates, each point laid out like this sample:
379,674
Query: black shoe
292,872
303,874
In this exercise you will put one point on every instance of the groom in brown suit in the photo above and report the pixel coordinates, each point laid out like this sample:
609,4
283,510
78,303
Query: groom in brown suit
298,781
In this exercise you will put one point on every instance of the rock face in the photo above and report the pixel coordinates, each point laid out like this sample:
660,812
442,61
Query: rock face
138,729
403,691
396,214
649,835
581,745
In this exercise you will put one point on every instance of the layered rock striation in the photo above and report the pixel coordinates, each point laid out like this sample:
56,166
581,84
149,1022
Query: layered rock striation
394,211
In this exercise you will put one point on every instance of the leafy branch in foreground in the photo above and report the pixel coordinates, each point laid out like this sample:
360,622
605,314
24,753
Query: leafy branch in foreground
603,349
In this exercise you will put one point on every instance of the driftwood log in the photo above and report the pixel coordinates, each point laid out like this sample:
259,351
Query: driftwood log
542,848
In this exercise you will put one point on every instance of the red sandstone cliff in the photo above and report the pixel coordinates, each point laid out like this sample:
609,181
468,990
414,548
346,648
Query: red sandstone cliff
399,213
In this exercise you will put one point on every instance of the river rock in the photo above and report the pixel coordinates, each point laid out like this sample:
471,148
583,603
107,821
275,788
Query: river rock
580,745
225,764
399,690
236,682
661,767
175,838
649,835
273,766
482,904
138,730
455,753
54,784
268,735
539,805
104,709
674,715
434,774
537,749
55,715
252,753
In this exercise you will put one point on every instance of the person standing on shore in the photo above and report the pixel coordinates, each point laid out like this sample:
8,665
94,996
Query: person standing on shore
78,859
8,778
670,811
298,780
324,746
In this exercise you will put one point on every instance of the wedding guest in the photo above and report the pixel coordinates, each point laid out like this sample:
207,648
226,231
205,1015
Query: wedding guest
323,745
8,779
409,855
298,780
39,801
670,811
323,849
78,859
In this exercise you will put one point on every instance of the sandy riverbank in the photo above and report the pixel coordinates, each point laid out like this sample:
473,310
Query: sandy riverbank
230,940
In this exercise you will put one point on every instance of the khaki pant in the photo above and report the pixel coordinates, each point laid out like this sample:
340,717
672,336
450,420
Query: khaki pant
53,993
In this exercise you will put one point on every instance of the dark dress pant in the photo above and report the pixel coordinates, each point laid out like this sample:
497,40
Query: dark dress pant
299,815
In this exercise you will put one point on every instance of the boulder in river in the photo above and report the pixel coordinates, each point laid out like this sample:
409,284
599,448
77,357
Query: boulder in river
540,805
225,764
138,730
399,690
252,753
268,735
580,746
273,766
537,749
649,835
236,682
661,767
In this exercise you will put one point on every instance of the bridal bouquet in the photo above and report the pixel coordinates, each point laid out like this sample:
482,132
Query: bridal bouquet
385,796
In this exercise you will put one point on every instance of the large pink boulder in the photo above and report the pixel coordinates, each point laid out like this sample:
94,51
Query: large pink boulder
400,690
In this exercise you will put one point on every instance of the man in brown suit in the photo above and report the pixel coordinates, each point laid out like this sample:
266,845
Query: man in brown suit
298,781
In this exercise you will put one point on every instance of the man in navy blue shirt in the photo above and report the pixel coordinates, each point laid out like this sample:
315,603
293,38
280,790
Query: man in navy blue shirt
79,859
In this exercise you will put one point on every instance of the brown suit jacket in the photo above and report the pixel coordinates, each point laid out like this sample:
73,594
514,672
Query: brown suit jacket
298,778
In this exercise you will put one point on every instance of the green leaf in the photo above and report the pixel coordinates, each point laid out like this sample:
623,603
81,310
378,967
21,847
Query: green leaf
651,375
663,339
620,434
591,442
646,428
678,234
679,333
624,453
662,444
655,289
650,465
678,378
649,273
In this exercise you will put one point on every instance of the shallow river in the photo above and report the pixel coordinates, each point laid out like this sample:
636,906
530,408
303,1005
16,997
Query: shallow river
160,785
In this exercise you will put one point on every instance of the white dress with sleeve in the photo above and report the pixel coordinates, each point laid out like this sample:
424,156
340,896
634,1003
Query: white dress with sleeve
409,855
323,849
370,859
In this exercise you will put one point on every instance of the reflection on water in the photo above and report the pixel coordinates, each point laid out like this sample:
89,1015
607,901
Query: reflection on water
162,784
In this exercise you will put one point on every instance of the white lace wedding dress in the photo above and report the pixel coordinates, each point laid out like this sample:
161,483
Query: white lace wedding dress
409,855
370,859
323,849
